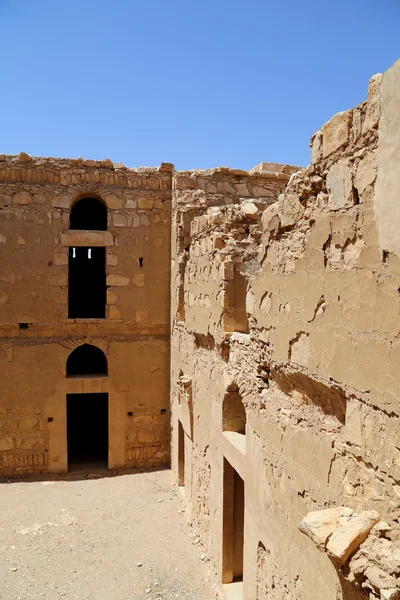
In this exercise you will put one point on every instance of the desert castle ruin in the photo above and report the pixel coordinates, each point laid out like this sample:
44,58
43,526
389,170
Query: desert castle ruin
242,326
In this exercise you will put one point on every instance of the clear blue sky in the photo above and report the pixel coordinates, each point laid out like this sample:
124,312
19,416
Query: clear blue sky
200,84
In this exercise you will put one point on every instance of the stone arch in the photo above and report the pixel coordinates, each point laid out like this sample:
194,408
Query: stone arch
89,213
86,360
233,410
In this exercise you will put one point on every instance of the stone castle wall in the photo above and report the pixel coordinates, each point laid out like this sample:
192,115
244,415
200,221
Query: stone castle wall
36,335
289,300
262,307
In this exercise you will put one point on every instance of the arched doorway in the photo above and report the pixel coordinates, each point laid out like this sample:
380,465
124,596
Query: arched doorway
87,413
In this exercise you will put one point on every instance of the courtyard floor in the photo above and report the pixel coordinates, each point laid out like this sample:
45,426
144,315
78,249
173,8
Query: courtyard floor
99,538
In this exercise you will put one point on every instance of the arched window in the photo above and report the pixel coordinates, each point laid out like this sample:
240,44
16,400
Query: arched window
87,360
89,214
233,411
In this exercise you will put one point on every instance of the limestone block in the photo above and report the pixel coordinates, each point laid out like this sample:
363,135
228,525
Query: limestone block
24,157
241,188
366,172
373,110
61,259
316,147
138,280
259,191
3,238
145,203
320,524
348,536
270,218
22,198
336,132
353,430
119,220
131,204
6,443
117,280
112,259
290,209
112,297
144,220
62,201
300,349
136,221
339,184
114,202
250,210
87,238
224,187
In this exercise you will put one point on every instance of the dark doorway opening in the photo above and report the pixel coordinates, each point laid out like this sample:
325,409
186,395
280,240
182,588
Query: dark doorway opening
86,360
87,283
89,214
87,429
233,525
181,454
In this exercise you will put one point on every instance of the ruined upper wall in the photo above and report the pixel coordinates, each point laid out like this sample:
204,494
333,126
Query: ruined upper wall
317,367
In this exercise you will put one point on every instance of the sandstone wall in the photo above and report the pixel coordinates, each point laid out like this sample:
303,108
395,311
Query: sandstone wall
36,335
316,364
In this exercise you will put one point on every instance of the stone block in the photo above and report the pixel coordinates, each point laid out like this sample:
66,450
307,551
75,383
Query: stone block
22,198
117,280
114,202
335,133
119,220
320,524
87,238
250,210
145,203
138,279
339,184
62,201
290,209
366,172
348,536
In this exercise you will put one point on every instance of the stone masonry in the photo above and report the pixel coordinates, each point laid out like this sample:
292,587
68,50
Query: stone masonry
252,338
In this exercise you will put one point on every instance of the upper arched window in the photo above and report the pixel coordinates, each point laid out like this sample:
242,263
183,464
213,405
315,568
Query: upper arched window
87,360
89,214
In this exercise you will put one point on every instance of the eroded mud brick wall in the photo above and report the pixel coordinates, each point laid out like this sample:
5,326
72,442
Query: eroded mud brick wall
285,354
36,334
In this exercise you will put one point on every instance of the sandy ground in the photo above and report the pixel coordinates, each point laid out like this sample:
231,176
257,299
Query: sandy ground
110,538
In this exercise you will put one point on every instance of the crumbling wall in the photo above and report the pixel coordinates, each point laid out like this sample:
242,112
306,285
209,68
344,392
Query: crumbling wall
36,334
318,367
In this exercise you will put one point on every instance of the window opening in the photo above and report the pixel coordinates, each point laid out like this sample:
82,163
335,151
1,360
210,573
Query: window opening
87,360
89,214
87,283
